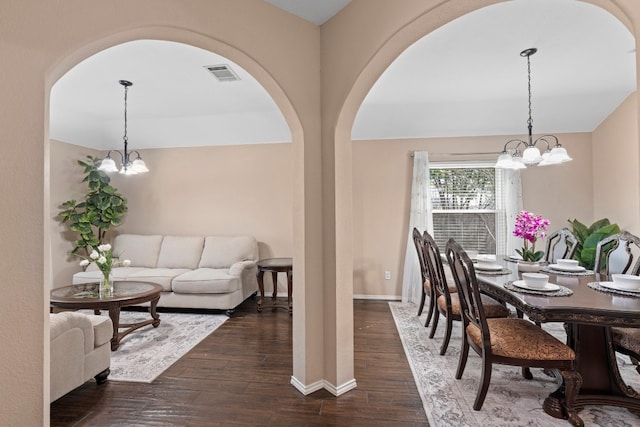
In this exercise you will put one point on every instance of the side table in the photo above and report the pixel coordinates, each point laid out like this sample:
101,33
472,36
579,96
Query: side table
275,266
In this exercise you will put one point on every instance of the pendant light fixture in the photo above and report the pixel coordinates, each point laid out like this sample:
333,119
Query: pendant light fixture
526,153
127,167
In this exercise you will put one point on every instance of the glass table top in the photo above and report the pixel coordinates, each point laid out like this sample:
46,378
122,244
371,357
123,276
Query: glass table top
91,290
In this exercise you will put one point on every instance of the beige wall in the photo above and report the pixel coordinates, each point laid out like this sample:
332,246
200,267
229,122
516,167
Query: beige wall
43,39
228,190
382,174
616,176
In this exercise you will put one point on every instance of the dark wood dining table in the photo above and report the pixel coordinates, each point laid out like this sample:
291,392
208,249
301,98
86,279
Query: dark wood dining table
588,315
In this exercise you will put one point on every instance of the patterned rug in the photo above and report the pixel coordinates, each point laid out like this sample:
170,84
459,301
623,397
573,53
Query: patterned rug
511,400
146,353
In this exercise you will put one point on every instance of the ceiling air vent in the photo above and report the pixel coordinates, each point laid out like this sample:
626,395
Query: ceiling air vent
223,73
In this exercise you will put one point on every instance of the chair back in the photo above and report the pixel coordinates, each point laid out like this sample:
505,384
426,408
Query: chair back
468,291
619,253
435,267
561,244
419,244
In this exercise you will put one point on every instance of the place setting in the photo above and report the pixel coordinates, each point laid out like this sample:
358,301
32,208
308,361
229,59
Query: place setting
622,284
570,267
537,284
486,264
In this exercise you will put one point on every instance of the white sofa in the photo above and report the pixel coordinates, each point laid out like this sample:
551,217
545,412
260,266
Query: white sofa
213,272
80,350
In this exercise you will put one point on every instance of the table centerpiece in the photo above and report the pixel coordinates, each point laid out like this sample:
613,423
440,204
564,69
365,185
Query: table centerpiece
103,258
530,227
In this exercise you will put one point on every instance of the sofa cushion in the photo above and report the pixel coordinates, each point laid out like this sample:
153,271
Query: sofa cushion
180,252
94,276
141,250
159,276
206,281
222,252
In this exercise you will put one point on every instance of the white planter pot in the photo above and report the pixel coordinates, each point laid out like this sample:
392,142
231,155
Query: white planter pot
528,266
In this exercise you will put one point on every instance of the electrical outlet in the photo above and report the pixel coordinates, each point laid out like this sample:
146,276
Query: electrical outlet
387,275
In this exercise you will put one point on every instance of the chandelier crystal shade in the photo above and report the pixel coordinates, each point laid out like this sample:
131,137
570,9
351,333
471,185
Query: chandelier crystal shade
526,153
127,167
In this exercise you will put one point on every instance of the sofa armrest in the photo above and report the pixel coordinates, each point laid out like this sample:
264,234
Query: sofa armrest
67,320
239,267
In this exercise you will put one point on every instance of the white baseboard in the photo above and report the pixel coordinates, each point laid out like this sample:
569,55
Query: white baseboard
311,388
378,297
322,384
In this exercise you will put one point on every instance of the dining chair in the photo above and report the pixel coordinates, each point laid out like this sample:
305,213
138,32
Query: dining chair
426,285
447,300
507,341
619,253
561,244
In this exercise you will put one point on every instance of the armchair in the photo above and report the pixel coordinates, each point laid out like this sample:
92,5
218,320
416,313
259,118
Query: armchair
80,350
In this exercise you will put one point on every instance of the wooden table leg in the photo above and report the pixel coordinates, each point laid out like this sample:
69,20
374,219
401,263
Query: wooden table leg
260,276
290,290
154,313
274,280
114,314
602,383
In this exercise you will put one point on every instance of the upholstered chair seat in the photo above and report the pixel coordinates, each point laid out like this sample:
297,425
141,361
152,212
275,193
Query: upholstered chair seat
492,308
628,338
521,339
627,341
427,287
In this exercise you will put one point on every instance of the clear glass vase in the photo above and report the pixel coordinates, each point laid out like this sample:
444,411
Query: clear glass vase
106,285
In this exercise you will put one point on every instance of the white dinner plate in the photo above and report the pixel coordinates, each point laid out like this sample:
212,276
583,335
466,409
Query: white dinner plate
488,267
614,285
559,267
549,287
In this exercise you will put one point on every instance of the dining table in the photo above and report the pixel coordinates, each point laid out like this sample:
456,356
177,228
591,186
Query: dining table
588,306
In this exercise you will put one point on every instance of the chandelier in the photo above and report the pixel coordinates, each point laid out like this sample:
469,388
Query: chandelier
127,167
526,153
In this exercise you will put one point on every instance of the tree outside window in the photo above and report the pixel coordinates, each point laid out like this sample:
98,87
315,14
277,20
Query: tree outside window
463,199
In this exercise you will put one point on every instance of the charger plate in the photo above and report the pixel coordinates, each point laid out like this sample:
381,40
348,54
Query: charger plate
561,292
598,287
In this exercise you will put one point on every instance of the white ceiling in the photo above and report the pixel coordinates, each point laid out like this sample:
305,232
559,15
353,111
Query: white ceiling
316,11
466,78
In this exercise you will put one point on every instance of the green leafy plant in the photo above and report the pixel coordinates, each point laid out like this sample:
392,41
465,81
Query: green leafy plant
102,208
588,238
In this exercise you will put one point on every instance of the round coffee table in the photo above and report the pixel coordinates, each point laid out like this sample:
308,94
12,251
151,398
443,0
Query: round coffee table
87,296
275,266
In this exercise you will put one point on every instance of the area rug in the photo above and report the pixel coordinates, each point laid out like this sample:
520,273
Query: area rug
511,400
147,352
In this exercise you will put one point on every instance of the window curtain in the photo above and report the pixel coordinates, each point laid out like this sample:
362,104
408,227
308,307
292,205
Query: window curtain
508,204
420,218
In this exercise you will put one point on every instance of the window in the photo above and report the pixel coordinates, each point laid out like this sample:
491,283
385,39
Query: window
465,200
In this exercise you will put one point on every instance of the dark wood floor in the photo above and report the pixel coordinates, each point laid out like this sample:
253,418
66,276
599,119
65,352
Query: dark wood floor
240,376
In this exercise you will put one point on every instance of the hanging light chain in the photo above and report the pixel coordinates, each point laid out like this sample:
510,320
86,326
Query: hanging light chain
530,120
126,88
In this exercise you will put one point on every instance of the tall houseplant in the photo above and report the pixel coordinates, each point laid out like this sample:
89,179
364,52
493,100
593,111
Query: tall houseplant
588,238
101,209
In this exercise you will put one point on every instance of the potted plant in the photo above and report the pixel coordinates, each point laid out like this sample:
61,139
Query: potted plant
530,227
588,238
101,209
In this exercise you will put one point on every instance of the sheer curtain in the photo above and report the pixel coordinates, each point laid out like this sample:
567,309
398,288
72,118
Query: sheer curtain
508,204
420,218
